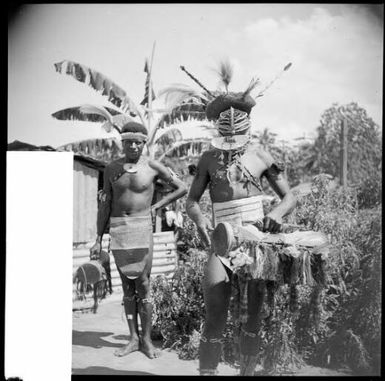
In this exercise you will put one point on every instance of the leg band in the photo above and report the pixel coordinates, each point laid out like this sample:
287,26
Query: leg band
249,347
210,351
128,299
248,343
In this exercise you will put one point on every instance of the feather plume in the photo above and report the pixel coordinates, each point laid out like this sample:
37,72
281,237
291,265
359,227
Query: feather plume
252,85
196,80
226,71
287,67
261,93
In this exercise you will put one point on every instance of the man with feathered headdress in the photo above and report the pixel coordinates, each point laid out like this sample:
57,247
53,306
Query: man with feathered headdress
233,170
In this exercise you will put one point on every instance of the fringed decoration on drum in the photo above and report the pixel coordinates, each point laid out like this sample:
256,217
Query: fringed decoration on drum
276,264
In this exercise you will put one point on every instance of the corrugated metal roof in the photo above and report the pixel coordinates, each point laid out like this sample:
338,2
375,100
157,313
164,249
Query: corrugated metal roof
85,159
17,145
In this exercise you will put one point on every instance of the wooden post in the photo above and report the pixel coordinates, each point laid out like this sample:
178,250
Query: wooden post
150,89
344,153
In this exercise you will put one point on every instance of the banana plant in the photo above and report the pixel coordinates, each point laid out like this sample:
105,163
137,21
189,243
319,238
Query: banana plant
123,109
182,102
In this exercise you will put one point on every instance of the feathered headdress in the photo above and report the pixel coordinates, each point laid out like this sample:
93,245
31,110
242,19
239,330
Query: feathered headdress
217,102
231,110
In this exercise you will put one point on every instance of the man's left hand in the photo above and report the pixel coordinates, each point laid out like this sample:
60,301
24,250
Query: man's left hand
272,224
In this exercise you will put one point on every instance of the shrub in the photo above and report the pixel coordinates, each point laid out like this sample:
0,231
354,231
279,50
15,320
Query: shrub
179,307
339,326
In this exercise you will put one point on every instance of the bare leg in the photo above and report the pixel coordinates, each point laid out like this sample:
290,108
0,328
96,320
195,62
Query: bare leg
130,309
145,313
216,289
249,337
146,346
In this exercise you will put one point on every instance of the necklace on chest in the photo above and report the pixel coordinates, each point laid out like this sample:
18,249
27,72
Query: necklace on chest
132,167
230,161
233,170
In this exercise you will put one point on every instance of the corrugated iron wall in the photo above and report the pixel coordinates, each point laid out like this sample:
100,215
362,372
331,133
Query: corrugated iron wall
165,257
85,204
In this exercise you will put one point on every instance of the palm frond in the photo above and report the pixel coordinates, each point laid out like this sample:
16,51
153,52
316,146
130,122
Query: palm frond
105,149
120,120
192,109
168,137
100,110
175,94
186,148
99,82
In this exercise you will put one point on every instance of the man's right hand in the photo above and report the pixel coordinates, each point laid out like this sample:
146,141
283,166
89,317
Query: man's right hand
95,251
204,228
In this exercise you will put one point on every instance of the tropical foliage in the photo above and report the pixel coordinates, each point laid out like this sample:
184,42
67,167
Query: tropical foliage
123,109
339,328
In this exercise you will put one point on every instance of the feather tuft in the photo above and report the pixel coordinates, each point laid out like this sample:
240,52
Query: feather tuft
225,72
252,85
287,67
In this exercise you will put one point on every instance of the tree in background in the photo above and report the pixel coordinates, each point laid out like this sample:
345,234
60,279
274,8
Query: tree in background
364,150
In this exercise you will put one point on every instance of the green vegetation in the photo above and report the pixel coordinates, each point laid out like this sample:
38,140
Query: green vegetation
341,327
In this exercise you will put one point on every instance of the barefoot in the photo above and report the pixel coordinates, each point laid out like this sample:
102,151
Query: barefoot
148,349
132,346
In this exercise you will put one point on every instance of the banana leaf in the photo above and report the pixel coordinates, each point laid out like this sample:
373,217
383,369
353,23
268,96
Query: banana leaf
74,113
192,109
99,82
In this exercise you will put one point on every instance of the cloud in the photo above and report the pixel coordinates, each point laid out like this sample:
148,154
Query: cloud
336,58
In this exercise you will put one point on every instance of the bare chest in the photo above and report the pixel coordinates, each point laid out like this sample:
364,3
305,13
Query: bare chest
234,169
138,182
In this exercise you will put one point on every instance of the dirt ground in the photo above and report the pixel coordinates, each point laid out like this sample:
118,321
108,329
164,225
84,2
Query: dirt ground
96,336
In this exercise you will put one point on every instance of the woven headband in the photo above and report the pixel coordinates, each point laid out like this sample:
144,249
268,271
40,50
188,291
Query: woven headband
232,122
130,135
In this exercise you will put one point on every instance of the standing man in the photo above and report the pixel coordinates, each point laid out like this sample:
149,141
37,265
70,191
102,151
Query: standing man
126,204
233,170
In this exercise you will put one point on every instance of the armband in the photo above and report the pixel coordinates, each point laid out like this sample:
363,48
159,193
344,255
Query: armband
172,177
275,169
102,196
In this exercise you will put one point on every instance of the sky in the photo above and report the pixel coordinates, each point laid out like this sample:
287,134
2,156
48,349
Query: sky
336,51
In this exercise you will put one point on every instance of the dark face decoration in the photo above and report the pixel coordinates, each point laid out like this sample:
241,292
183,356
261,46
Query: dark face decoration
133,148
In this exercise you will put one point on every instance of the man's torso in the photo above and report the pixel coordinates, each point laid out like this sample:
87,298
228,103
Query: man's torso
132,193
235,181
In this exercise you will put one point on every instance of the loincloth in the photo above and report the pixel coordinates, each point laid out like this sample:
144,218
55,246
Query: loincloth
131,243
